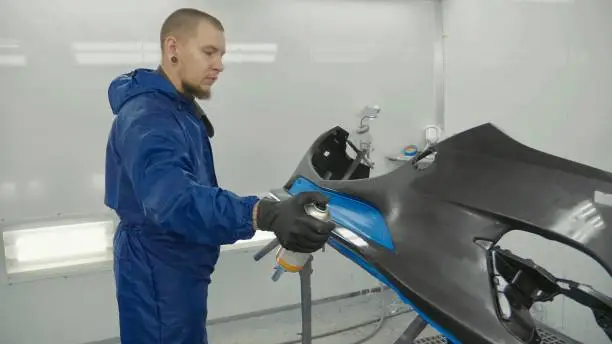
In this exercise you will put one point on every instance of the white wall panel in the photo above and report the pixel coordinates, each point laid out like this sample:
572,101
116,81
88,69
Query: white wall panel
295,69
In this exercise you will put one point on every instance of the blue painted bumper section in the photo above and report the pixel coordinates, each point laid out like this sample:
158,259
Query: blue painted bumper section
367,222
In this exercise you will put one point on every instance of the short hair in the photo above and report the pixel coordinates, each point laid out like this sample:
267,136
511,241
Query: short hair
185,21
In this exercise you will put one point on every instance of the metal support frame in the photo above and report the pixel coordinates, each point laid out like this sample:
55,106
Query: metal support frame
306,271
305,291
306,304
415,328
413,331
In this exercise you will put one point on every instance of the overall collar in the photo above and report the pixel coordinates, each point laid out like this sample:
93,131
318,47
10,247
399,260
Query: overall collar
189,99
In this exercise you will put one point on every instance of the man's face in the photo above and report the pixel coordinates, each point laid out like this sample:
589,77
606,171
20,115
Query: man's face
200,60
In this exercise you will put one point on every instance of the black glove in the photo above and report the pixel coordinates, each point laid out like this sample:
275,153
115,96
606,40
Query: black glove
295,229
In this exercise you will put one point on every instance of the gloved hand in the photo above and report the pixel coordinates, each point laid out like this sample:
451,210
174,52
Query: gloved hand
295,229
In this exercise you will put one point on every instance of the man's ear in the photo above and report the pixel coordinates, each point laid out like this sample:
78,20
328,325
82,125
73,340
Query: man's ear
171,46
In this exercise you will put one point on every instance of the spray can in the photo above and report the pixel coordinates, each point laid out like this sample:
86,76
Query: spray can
294,261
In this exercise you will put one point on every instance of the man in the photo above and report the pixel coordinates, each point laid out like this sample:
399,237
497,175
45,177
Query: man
161,182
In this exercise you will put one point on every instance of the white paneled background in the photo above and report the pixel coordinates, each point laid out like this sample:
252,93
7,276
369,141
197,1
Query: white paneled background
294,70
541,70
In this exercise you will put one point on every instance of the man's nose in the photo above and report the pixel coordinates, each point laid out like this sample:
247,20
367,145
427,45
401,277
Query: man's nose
218,66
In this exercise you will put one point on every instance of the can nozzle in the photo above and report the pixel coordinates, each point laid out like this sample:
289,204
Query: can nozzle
278,272
320,206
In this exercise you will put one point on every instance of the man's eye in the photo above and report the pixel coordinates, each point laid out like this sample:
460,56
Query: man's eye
209,53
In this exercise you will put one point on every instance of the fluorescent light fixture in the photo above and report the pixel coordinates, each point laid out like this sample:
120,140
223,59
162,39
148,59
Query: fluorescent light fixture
251,52
116,53
242,58
8,56
56,246
252,47
12,60
109,58
135,53
9,44
338,53
113,46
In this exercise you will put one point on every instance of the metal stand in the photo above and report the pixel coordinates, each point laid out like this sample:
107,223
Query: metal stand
266,249
306,272
305,291
412,332
306,305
